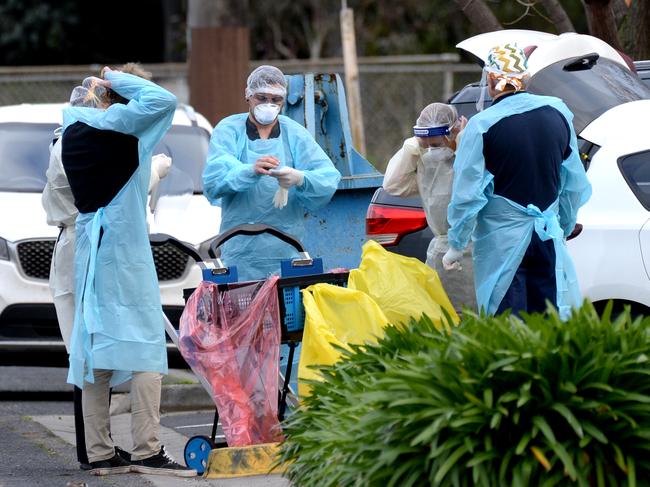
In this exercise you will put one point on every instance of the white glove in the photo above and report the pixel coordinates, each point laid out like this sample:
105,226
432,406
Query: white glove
451,260
281,197
160,167
162,164
288,176
412,146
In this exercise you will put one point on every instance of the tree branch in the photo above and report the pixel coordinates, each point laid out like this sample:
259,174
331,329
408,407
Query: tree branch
479,14
558,15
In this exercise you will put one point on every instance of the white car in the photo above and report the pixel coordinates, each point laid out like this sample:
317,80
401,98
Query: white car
27,316
611,105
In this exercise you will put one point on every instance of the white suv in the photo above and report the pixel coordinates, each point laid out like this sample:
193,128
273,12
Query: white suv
27,316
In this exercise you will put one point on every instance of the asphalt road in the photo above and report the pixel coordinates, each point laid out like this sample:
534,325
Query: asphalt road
37,439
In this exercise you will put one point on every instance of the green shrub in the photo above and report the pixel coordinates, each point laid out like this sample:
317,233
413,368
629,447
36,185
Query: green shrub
497,402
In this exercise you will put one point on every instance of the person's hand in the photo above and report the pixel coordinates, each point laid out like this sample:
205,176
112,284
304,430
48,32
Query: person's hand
288,176
451,260
162,164
264,164
412,146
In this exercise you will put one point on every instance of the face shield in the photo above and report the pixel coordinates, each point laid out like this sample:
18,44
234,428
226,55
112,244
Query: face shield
435,121
508,65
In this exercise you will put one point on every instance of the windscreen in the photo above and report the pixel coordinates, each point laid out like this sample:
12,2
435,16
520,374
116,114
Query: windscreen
188,148
24,157
589,85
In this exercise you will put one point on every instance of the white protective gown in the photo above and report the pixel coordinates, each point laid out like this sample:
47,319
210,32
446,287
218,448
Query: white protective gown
411,172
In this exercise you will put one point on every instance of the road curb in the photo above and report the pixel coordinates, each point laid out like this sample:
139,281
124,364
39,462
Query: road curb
174,397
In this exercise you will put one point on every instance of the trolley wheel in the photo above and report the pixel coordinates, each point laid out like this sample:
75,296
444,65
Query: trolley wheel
197,451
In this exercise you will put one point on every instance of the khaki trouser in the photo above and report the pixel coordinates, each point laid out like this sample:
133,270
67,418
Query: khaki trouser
145,415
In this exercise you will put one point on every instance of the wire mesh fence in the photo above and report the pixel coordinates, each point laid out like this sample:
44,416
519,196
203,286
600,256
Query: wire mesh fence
394,89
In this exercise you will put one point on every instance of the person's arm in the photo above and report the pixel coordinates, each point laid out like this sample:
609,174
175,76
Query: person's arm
57,199
224,173
321,178
149,106
575,189
468,190
400,178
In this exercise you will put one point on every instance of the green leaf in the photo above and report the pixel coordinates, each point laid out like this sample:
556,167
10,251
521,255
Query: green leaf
449,463
570,418
564,456
544,428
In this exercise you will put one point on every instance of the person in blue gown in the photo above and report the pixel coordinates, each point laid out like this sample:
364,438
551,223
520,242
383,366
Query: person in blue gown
263,167
518,185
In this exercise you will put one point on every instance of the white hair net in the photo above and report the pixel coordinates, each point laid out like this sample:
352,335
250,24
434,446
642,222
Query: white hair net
437,115
90,94
266,79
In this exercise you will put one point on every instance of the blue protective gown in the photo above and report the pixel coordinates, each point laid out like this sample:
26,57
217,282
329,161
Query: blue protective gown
118,316
246,197
501,228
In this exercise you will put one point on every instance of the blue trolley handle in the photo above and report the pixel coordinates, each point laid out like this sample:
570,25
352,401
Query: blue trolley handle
253,229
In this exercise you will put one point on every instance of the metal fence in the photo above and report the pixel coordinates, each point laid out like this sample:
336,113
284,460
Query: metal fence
394,89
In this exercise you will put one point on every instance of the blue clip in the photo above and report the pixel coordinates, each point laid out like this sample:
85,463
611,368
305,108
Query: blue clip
227,277
288,269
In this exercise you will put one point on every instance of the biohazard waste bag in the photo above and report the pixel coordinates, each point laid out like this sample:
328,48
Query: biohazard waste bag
403,287
334,316
232,338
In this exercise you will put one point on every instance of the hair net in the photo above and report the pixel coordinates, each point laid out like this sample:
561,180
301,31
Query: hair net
435,119
266,79
91,93
436,115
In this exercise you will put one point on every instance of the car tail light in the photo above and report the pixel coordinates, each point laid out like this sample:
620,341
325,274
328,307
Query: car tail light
387,225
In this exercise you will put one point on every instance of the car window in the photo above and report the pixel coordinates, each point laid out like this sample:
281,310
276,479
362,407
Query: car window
589,85
188,148
636,171
24,157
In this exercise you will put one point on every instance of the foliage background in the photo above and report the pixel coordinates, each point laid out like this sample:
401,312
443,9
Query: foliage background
34,32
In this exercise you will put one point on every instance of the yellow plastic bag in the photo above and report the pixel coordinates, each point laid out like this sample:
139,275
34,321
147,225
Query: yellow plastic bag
403,287
335,315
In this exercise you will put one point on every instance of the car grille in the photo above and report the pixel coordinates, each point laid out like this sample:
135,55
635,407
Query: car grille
170,262
35,257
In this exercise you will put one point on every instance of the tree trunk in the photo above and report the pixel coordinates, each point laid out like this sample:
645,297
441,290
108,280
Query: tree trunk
558,16
219,54
600,18
620,9
640,24
480,15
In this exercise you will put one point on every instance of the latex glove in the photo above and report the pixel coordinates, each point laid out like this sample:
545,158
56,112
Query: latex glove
160,166
281,197
412,146
288,176
451,260
162,163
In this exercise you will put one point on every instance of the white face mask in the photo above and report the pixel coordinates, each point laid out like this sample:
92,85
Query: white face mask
266,113
436,155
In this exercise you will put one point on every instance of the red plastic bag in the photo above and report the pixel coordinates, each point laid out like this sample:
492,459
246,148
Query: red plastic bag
232,338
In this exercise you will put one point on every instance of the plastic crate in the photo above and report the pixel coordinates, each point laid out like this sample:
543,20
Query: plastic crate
292,311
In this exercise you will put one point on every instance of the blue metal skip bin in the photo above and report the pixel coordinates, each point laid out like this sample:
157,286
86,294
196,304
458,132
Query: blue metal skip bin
337,231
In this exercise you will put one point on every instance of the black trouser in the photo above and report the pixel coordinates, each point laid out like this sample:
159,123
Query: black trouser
534,281
79,430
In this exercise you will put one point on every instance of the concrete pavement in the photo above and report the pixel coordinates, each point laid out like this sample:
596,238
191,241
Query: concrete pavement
63,427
